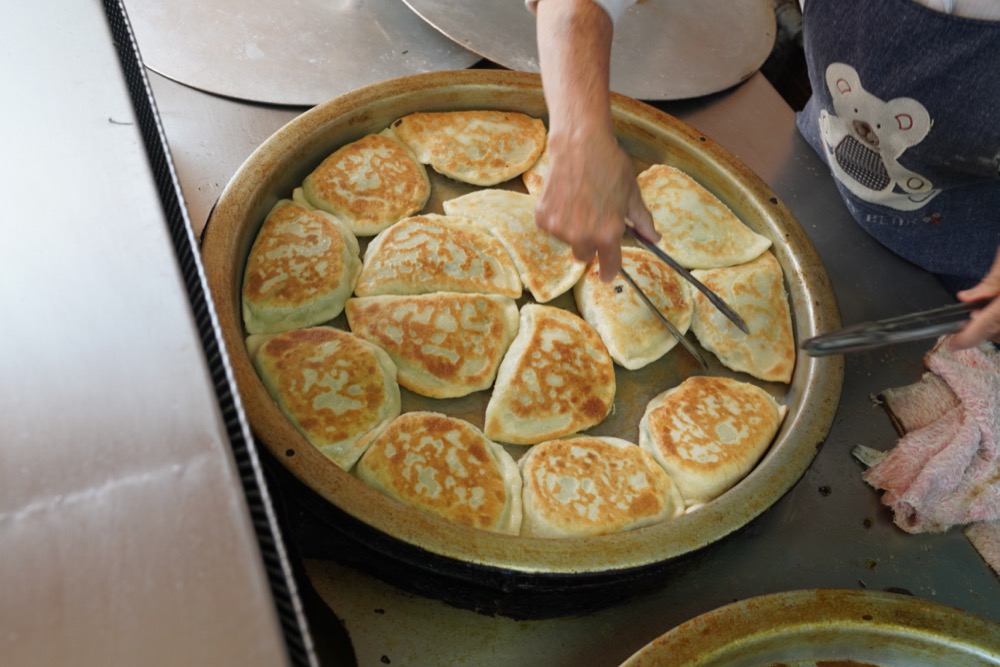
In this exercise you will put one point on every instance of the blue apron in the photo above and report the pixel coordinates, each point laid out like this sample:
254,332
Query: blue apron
905,110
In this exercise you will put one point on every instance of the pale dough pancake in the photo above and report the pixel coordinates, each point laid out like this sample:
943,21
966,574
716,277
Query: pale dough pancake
478,147
698,230
369,184
633,334
756,291
447,467
301,269
581,486
336,388
444,344
436,253
545,264
708,433
556,379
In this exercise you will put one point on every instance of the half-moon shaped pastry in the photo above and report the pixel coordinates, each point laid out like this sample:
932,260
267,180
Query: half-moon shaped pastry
369,184
545,264
301,269
336,388
447,467
437,253
698,230
478,147
586,485
709,432
534,177
756,290
444,344
633,334
557,378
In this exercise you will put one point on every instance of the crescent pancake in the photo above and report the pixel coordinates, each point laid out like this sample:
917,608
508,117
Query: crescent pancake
437,253
697,229
534,177
756,290
444,344
478,147
708,433
556,379
369,184
447,467
633,334
334,387
545,264
581,486
301,269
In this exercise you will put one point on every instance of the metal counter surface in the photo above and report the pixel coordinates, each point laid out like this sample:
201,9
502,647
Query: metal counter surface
125,534
828,531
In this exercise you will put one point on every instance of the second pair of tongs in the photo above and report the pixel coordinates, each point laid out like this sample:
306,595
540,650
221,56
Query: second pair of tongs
716,300
873,335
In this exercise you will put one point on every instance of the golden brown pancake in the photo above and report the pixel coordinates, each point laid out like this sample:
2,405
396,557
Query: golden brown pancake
447,467
444,344
756,291
534,177
633,334
477,147
300,270
698,230
336,388
436,253
369,184
545,264
709,432
587,485
557,378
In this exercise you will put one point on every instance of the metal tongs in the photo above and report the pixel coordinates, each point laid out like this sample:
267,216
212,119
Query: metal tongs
674,331
712,296
880,333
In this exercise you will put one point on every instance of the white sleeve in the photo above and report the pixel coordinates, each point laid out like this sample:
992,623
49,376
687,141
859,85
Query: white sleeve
614,8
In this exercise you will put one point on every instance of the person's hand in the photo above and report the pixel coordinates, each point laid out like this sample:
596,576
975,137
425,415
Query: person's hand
983,324
590,188
589,192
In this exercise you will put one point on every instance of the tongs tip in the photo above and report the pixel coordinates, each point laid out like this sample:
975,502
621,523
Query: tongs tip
674,331
716,300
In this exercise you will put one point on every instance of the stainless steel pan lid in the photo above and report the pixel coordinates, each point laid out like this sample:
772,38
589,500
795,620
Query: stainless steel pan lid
280,164
300,53
662,49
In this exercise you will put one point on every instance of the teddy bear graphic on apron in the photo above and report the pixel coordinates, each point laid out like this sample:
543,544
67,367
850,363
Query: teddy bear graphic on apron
865,136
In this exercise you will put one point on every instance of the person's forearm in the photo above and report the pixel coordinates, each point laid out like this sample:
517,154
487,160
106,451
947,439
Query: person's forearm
574,38
590,189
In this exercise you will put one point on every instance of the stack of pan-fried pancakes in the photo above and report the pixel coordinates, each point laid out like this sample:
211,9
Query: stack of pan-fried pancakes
460,299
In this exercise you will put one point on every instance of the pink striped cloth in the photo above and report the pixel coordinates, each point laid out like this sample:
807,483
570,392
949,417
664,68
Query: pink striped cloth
945,469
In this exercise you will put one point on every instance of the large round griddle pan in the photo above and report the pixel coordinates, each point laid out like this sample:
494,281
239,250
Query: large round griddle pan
827,627
281,163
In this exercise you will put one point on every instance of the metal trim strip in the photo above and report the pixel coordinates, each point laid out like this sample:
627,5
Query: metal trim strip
276,563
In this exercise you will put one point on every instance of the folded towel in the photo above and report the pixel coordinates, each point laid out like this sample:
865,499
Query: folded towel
945,470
